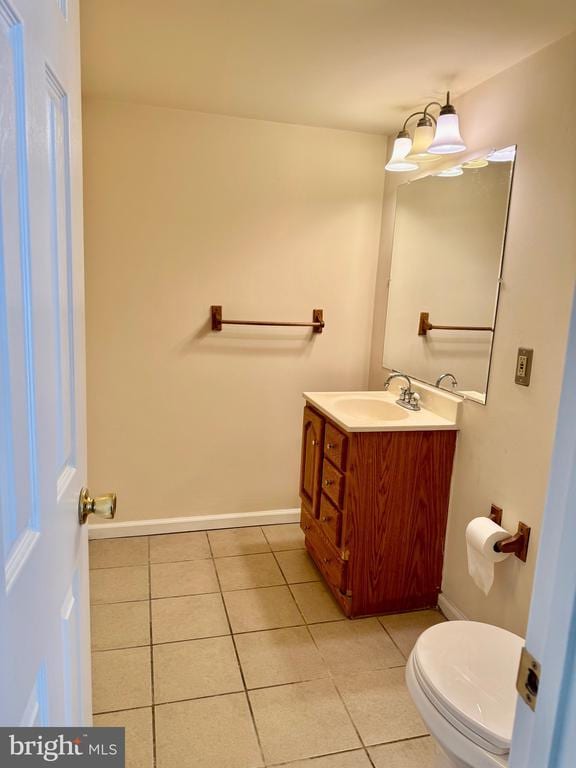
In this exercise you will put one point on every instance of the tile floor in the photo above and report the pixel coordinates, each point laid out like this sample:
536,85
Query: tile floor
225,650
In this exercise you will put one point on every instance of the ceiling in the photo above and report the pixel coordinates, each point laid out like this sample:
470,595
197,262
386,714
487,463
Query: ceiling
353,64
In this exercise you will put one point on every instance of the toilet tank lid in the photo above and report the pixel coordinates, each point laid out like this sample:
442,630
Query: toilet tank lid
471,668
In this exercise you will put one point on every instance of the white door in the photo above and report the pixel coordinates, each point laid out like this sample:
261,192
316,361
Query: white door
546,737
44,626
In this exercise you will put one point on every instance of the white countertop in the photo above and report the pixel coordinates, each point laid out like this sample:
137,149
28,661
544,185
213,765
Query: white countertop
378,412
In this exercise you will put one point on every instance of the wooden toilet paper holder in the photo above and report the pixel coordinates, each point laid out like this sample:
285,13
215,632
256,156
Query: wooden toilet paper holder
517,544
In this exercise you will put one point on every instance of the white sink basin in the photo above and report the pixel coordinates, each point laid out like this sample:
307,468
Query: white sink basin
378,411
371,408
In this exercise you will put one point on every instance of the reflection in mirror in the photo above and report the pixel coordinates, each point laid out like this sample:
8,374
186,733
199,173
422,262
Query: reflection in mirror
449,235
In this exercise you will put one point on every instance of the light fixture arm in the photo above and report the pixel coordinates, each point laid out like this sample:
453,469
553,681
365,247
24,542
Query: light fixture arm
414,114
427,107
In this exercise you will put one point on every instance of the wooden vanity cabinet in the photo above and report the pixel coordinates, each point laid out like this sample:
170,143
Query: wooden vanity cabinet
374,510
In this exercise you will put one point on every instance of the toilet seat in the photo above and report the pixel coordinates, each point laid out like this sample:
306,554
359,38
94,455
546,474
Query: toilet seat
467,670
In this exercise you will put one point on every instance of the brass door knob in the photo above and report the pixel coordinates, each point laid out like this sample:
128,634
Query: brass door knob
103,506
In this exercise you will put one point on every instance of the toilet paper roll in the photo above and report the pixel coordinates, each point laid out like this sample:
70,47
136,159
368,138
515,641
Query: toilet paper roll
481,535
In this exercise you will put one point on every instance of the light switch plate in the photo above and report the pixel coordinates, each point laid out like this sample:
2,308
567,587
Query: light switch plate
524,366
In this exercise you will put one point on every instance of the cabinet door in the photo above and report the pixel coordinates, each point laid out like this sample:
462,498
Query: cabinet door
310,469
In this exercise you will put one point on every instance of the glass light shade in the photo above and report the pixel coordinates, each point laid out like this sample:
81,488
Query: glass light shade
447,138
398,162
423,136
481,162
505,155
449,172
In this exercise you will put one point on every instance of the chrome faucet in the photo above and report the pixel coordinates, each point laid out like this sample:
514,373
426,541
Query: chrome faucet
441,378
408,398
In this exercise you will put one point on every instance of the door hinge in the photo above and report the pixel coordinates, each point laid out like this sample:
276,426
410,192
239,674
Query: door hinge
528,680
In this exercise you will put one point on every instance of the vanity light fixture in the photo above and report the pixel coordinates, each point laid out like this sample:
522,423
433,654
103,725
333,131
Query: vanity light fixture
402,146
447,139
423,137
428,141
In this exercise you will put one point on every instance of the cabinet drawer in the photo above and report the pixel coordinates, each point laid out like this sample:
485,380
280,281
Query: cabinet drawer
333,483
328,560
330,520
335,446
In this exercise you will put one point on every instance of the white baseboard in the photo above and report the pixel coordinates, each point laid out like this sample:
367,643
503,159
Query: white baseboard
198,523
451,611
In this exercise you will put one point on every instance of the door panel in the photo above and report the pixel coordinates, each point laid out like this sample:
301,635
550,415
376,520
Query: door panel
312,441
60,217
44,609
18,491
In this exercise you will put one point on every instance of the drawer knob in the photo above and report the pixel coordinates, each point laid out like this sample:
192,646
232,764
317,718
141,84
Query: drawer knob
330,446
314,442
326,560
326,519
328,482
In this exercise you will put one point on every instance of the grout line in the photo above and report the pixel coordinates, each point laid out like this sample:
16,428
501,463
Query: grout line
244,589
201,698
360,739
192,639
372,763
94,604
280,568
296,603
318,757
252,589
124,709
112,567
400,651
400,741
120,648
237,655
151,659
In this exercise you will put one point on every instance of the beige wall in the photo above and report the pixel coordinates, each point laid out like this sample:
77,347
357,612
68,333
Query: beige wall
504,449
184,210
448,235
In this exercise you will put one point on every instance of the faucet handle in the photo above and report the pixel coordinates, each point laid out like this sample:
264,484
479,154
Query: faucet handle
404,392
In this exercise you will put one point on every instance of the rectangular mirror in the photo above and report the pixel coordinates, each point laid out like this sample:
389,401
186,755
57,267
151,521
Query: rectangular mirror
449,236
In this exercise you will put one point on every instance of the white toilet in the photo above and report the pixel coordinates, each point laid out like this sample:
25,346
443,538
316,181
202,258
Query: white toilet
462,678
